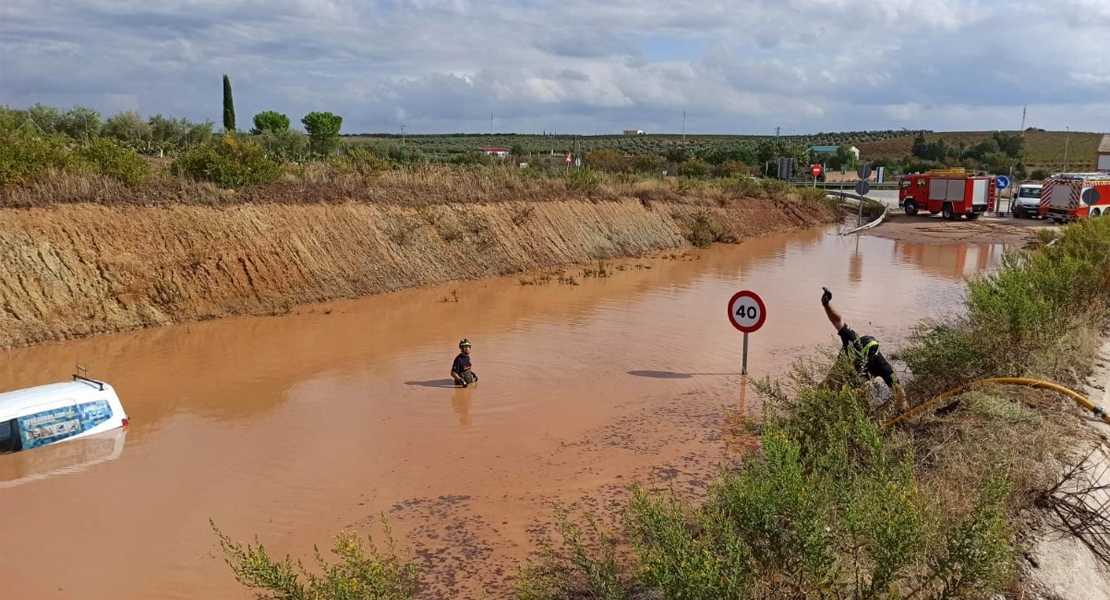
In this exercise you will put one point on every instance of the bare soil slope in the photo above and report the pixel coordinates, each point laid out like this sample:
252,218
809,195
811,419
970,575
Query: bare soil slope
76,270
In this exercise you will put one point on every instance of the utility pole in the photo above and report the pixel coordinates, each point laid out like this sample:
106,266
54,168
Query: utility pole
402,136
1067,137
491,123
777,133
684,127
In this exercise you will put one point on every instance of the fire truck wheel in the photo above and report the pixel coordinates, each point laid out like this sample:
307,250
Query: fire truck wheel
911,208
948,212
1096,213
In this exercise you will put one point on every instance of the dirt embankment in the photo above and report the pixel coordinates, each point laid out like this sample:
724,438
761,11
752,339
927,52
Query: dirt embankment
76,270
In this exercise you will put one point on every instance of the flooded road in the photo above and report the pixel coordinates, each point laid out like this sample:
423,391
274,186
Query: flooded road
296,427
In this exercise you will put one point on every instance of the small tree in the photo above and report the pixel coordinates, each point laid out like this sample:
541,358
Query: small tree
46,118
323,131
269,120
229,106
128,127
81,123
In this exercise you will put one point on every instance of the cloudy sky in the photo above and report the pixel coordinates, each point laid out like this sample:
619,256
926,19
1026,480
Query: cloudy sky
744,66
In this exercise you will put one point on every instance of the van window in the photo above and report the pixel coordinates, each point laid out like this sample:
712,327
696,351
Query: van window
48,426
1028,192
9,438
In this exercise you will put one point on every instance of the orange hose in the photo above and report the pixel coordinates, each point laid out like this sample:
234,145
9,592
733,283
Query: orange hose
1035,383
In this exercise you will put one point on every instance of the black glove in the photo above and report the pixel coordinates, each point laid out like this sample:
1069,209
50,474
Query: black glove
826,297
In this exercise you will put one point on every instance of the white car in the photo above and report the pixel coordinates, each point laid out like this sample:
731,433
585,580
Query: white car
52,413
1026,201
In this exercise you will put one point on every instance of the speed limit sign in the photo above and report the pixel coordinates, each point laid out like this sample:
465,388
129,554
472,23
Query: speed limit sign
746,311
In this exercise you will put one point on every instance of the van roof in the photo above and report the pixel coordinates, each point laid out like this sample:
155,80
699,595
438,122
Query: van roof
12,402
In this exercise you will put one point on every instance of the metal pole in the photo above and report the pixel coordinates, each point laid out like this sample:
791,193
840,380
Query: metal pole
1067,138
859,220
744,370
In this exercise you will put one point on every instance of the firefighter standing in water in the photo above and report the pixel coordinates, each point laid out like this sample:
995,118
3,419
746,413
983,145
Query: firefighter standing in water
460,369
864,353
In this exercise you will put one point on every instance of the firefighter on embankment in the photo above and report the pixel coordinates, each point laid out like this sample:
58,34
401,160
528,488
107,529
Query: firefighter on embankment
863,352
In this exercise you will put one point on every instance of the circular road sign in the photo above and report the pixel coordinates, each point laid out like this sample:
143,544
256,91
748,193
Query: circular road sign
864,171
746,311
816,170
1089,196
863,187
1002,182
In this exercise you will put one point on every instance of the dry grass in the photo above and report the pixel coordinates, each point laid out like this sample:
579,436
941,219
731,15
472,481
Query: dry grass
1030,433
420,186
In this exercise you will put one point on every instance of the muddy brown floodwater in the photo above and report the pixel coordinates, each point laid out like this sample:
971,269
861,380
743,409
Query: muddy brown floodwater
296,427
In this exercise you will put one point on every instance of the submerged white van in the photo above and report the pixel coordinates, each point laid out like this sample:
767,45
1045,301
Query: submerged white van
52,413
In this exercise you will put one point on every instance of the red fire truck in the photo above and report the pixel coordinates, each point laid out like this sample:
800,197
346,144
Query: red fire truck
951,192
1073,196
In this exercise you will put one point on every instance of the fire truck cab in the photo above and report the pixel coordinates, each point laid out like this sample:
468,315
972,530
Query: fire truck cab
951,192
1074,196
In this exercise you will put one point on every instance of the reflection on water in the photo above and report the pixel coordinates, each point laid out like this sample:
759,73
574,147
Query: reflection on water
295,427
955,261
61,458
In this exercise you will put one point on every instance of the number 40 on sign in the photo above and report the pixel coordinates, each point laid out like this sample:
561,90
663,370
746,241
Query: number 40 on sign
747,313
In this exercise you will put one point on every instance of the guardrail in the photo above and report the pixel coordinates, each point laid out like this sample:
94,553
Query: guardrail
845,185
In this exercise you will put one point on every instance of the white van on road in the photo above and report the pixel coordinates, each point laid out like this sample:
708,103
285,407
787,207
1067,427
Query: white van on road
55,412
1027,201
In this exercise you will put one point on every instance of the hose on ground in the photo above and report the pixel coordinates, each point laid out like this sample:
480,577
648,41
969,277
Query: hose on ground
1034,383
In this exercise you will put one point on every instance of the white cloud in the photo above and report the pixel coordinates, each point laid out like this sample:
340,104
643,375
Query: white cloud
572,65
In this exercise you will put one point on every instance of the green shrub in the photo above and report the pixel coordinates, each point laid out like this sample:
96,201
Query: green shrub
695,167
585,180
108,157
704,232
743,186
24,155
1026,319
585,565
828,510
362,572
361,160
231,163
776,188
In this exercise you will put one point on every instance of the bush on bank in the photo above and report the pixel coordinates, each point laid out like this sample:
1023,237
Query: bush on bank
1040,315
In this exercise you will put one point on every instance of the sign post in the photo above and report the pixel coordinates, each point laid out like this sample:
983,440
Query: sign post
747,313
816,170
1001,183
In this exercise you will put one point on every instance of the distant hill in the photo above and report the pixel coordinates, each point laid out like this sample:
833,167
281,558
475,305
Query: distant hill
1043,149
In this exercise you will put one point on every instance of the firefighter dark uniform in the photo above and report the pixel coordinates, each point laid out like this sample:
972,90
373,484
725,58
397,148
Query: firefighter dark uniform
866,359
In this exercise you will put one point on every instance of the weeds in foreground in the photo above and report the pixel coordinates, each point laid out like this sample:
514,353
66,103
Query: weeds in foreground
828,509
363,571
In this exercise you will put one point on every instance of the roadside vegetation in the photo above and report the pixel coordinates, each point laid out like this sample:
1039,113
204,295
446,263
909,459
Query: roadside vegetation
833,504
48,156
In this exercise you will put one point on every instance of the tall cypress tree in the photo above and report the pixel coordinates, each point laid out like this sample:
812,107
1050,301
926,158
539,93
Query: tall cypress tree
229,106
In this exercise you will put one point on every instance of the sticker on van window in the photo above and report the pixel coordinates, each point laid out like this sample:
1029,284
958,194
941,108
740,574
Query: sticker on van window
51,426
